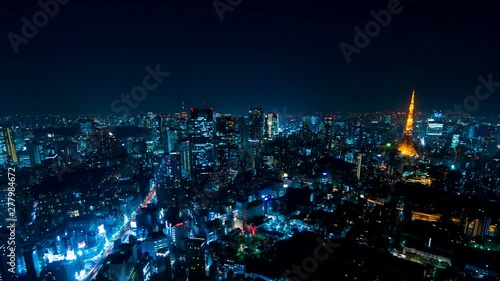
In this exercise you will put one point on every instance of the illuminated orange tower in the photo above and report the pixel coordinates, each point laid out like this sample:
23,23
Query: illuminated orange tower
406,148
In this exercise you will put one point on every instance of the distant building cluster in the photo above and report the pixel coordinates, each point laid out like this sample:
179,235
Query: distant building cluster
202,195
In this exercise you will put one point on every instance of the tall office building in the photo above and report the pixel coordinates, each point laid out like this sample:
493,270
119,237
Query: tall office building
183,124
196,259
271,129
173,138
256,125
183,148
159,131
227,139
243,128
202,142
168,176
32,262
327,132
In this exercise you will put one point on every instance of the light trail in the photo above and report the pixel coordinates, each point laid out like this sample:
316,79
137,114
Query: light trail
95,270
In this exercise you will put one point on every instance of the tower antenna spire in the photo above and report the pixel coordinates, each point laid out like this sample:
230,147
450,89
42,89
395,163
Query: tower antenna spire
406,148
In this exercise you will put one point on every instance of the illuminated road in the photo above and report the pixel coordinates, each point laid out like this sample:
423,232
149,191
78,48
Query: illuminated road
148,199
95,270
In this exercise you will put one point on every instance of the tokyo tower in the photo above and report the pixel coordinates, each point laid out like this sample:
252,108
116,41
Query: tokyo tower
406,147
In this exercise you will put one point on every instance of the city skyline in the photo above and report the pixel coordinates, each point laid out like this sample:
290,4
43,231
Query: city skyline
249,140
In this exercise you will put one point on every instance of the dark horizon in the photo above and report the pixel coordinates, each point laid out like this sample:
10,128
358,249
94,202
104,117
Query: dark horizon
262,55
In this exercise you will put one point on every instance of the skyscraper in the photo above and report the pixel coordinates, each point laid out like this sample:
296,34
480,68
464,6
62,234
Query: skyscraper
327,132
196,259
168,176
184,149
406,147
172,138
227,141
159,132
202,142
256,124
271,129
32,262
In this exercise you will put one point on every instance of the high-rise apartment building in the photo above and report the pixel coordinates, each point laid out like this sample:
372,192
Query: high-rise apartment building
183,148
202,144
227,139
256,124
168,176
196,259
271,128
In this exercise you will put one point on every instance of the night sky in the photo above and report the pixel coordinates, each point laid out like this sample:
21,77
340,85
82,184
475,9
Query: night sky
265,53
